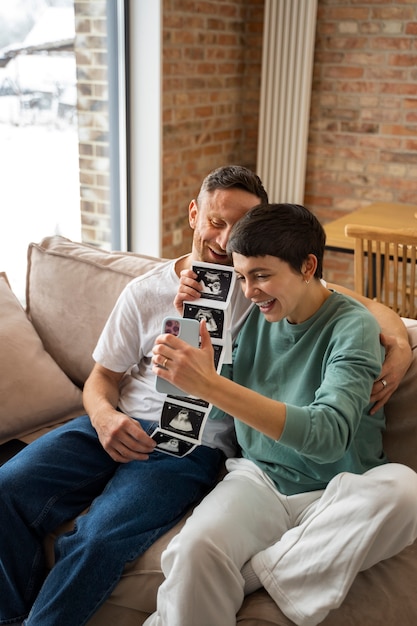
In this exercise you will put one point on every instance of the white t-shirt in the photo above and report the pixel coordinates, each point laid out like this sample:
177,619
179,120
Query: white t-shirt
126,343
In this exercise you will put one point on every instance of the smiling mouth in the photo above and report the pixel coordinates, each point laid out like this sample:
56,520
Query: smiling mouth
265,304
222,255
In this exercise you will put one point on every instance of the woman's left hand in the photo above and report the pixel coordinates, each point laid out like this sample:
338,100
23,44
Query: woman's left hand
191,369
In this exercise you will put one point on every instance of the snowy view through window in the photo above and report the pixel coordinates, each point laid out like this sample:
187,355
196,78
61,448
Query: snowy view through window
38,130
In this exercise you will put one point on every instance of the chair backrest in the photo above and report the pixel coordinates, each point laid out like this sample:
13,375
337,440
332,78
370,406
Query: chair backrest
385,266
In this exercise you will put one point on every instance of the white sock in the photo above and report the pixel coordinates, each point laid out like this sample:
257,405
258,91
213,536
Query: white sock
252,582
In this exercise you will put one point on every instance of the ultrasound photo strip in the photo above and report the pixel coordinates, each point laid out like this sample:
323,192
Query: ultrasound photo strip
217,281
175,446
180,428
183,419
214,318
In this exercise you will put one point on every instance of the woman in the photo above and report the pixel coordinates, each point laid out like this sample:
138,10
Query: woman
313,499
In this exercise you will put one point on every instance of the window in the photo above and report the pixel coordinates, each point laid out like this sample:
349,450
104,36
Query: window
39,157
145,126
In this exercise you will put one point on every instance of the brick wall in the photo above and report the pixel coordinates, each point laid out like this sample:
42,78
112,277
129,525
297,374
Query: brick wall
211,77
93,120
211,83
363,129
363,126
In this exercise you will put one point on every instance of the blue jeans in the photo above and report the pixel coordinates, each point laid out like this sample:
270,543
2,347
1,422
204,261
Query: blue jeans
53,480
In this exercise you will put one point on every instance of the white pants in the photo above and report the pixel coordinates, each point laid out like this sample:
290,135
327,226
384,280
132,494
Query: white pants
306,549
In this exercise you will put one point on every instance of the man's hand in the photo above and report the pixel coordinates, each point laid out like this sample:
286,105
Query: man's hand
397,361
122,437
189,289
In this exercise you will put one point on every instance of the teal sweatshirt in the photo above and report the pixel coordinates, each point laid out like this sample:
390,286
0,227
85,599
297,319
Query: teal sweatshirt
323,370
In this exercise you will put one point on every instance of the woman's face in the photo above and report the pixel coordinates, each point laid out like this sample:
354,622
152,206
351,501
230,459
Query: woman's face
273,286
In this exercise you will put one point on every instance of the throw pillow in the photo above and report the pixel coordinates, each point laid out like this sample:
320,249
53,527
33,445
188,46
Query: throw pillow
34,391
71,290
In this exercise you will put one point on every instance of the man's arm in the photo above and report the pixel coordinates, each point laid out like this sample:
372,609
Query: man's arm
395,340
394,336
121,436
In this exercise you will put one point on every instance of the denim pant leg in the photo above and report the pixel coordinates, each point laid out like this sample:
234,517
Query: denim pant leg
142,501
50,481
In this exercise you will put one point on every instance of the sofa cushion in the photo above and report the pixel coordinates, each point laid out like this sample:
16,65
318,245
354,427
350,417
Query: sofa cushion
400,439
34,391
71,289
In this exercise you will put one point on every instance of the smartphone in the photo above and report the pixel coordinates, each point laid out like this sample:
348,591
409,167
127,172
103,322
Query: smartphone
186,329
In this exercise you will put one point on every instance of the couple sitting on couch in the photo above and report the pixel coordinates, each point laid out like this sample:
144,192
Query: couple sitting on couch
327,450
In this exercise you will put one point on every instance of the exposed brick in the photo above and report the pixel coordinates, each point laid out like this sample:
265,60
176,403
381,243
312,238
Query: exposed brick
411,28
380,114
404,60
367,126
409,103
370,28
342,14
384,74
344,73
364,59
363,122
389,11
409,131
391,43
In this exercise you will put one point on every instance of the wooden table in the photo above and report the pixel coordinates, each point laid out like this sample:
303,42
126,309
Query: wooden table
384,214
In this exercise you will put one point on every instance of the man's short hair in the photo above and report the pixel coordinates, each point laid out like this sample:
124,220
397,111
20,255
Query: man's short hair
234,177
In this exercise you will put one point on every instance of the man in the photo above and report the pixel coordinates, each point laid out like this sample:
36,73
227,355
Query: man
106,458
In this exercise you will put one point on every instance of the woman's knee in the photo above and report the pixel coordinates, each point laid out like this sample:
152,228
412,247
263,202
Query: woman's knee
396,485
404,488
192,549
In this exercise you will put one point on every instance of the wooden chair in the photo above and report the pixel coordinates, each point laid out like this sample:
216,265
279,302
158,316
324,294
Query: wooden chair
385,266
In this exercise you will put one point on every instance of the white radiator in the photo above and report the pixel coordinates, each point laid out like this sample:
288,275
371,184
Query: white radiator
287,67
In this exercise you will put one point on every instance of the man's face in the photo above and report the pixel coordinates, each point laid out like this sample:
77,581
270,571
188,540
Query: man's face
212,221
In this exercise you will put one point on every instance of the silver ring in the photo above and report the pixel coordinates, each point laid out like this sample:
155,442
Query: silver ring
384,382
164,364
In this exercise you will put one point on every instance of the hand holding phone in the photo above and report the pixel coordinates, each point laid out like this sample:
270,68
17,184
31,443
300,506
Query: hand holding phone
186,329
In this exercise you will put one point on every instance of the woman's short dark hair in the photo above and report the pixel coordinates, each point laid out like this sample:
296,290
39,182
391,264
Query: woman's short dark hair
234,177
287,231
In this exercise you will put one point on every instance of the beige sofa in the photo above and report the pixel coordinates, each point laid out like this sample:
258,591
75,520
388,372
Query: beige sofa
46,357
